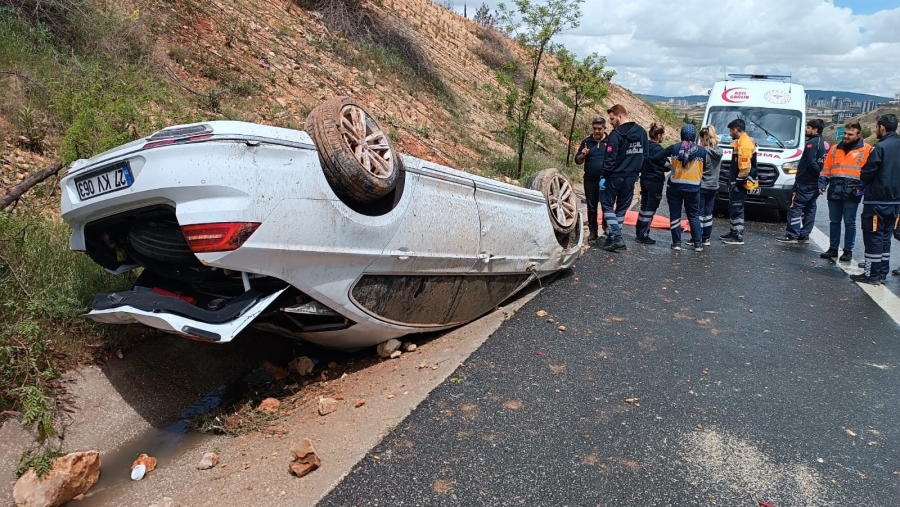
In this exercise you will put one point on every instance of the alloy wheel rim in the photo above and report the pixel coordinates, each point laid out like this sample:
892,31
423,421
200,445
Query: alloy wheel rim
366,141
561,199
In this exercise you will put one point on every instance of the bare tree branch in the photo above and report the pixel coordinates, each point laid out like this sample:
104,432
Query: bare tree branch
17,191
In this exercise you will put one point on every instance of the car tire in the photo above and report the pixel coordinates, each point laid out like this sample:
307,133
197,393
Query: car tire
357,157
161,240
562,204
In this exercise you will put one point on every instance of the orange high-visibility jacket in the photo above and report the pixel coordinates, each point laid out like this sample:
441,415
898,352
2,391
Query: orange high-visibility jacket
845,164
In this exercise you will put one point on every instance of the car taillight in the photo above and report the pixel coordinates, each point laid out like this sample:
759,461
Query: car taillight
222,237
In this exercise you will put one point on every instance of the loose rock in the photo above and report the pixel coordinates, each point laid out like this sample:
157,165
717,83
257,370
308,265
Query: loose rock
209,460
541,313
385,349
409,347
69,476
395,354
277,372
269,406
359,403
327,405
302,365
148,461
305,458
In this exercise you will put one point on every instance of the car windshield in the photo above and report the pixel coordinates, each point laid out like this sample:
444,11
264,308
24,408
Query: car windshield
767,126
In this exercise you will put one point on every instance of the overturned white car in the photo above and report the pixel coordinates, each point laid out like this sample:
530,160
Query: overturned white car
326,235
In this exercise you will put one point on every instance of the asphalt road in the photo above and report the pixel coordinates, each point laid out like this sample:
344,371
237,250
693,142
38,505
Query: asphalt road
717,378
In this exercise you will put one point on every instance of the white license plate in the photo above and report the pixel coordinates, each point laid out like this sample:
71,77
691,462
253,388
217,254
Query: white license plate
755,191
103,183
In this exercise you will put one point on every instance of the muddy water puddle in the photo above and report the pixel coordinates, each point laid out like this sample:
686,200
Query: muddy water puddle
164,443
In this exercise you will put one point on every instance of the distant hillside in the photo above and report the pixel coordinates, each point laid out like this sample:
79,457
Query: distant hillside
827,94
815,94
867,121
660,98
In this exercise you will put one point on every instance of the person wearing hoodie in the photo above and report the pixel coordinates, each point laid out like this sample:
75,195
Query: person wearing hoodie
653,177
742,178
881,204
801,216
591,152
626,146
840,178
683,189
709,186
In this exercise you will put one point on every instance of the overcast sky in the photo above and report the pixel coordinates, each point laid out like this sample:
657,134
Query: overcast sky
671,48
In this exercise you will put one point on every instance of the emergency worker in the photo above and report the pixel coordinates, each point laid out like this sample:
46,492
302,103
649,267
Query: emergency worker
881,204
591,152
653,177
742,178
709,186
840,177
683,189
801,216
625,149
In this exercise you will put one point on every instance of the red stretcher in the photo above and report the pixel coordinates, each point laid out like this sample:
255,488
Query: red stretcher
658,222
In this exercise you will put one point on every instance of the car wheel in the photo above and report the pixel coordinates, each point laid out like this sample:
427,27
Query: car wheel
160,240
562,204
357,157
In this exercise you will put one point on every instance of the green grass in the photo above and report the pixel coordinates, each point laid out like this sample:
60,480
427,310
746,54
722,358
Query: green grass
44,288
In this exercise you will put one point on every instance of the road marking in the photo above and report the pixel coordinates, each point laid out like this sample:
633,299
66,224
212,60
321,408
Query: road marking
883,297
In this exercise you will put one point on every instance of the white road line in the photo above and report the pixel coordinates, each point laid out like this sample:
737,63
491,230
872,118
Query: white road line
883,297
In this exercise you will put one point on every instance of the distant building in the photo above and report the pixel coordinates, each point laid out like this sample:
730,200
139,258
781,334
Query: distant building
842,116
869,106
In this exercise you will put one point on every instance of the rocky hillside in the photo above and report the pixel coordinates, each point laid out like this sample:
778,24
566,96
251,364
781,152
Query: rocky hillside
273,61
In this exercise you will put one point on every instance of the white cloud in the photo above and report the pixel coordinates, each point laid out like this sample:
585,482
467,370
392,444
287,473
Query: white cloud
670,48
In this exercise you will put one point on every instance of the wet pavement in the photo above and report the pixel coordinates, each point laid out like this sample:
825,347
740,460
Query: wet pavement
717,378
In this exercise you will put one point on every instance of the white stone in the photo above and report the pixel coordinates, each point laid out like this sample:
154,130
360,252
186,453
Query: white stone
385,349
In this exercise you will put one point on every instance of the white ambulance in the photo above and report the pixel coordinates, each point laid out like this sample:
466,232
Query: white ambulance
774,112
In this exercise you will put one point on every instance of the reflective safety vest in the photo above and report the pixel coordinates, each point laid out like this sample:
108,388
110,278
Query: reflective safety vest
687,174
846,164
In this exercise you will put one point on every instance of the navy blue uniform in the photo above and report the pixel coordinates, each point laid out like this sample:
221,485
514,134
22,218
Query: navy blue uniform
625,150
881,205
593,167
802,215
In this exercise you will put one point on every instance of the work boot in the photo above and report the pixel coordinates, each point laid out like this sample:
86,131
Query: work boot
847,256
786,239
896,272
592,236
698,247
869,279
831,253
727,236
607,242
802,239
676,247
861,264
735,239
616,244
647,240
706,242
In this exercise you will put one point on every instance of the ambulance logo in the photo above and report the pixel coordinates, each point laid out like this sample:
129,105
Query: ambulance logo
777,97
735,95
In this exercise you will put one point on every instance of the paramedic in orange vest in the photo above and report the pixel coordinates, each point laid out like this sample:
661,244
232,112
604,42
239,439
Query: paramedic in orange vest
840,176
742,178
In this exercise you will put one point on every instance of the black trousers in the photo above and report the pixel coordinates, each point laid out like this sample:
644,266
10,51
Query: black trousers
592,196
